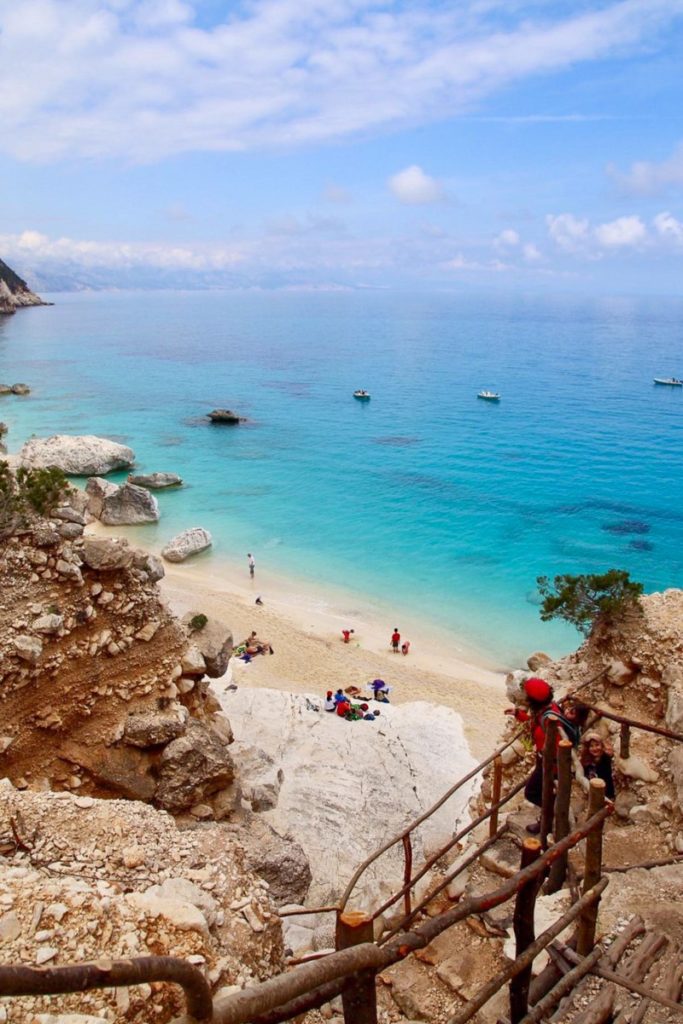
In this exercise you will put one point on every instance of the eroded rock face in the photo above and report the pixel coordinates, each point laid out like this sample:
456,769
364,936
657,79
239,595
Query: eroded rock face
129,506
213,642
154,727
84,455
107,553
189,542
193,767
370,778
97,489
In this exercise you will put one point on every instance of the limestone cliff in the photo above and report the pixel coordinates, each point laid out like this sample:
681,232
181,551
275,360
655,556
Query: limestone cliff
102,691
14,292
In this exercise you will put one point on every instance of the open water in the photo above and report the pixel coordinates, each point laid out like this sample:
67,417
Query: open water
425,498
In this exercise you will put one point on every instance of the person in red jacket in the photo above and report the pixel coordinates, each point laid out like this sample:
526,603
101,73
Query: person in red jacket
395,639
539,695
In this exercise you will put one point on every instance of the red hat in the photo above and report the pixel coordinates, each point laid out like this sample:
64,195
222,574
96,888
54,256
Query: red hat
329,693
537,689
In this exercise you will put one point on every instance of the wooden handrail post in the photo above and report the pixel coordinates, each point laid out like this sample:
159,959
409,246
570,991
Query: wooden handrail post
625,740
407,873
495,794
558,870
549,765
359,997
523,925
585,933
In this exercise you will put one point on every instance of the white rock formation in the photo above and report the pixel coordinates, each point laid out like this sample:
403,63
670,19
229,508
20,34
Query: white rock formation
189,542
348,786
86,455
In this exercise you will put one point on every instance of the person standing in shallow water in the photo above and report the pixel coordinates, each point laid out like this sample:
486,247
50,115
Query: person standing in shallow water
252,564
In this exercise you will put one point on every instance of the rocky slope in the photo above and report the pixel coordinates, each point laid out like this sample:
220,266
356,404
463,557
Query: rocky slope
14,292
102,691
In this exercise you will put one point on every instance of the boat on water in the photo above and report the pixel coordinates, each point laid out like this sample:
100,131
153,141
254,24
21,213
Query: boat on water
673,382
489,396
362,395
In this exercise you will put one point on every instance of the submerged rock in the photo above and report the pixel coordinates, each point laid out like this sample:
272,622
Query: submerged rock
189,542
84,455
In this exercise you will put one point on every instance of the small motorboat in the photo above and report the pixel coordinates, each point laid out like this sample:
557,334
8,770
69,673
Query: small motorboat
489,396
673,382
362,395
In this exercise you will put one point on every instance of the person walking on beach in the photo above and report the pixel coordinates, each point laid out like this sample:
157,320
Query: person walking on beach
395,639
346,634
252,564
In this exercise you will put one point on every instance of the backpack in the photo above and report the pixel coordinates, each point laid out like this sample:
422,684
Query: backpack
571,730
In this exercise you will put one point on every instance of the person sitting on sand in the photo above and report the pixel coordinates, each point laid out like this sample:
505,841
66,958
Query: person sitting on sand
343,707
339,696
596,761
380,690
328,703
405,647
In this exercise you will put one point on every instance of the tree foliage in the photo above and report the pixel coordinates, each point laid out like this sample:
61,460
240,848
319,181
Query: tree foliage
581,600
28,492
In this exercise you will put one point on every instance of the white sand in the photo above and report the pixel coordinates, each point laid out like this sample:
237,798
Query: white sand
304,629
303,623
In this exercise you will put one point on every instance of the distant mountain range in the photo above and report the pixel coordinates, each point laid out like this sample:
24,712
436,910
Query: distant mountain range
14,292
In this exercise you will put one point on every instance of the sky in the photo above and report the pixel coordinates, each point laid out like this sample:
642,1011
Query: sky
343,144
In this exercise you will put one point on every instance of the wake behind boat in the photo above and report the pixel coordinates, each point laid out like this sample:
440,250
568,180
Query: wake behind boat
489,396
362,395
673,382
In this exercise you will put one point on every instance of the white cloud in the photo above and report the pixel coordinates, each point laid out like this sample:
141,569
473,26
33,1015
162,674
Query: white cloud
507,239
44,251
647,178
415,188
531,253
569,233
144,79
461,262
668,227
622,232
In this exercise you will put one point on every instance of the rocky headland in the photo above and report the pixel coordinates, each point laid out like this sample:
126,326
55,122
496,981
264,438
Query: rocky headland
14,292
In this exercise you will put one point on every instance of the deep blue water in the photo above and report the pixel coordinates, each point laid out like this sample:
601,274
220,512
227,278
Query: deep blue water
425,497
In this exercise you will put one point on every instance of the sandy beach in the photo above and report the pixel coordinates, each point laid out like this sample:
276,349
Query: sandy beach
304,628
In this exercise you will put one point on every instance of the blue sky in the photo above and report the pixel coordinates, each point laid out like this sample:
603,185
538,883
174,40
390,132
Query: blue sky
333,144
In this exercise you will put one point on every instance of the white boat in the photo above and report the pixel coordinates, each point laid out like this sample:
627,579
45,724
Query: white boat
362,395
673,382
489,396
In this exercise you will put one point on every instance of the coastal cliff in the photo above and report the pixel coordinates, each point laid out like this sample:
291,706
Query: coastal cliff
14,292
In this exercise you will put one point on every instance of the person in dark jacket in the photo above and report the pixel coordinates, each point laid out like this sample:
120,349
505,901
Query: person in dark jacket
596,760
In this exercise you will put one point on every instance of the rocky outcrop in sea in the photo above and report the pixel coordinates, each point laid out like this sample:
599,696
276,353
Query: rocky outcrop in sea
14,292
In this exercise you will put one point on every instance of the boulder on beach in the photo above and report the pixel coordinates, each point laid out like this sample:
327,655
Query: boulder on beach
97,490
189,542
106,553
129,506
225,416
155,480
86,455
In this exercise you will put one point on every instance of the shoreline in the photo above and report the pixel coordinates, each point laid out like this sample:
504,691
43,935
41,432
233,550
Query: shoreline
304,623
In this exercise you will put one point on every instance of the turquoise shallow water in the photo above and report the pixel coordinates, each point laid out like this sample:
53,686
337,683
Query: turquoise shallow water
425,497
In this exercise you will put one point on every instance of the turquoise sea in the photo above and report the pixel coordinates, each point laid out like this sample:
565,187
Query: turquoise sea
426,498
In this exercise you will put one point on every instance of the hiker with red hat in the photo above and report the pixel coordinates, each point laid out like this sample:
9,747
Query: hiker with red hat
539,696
